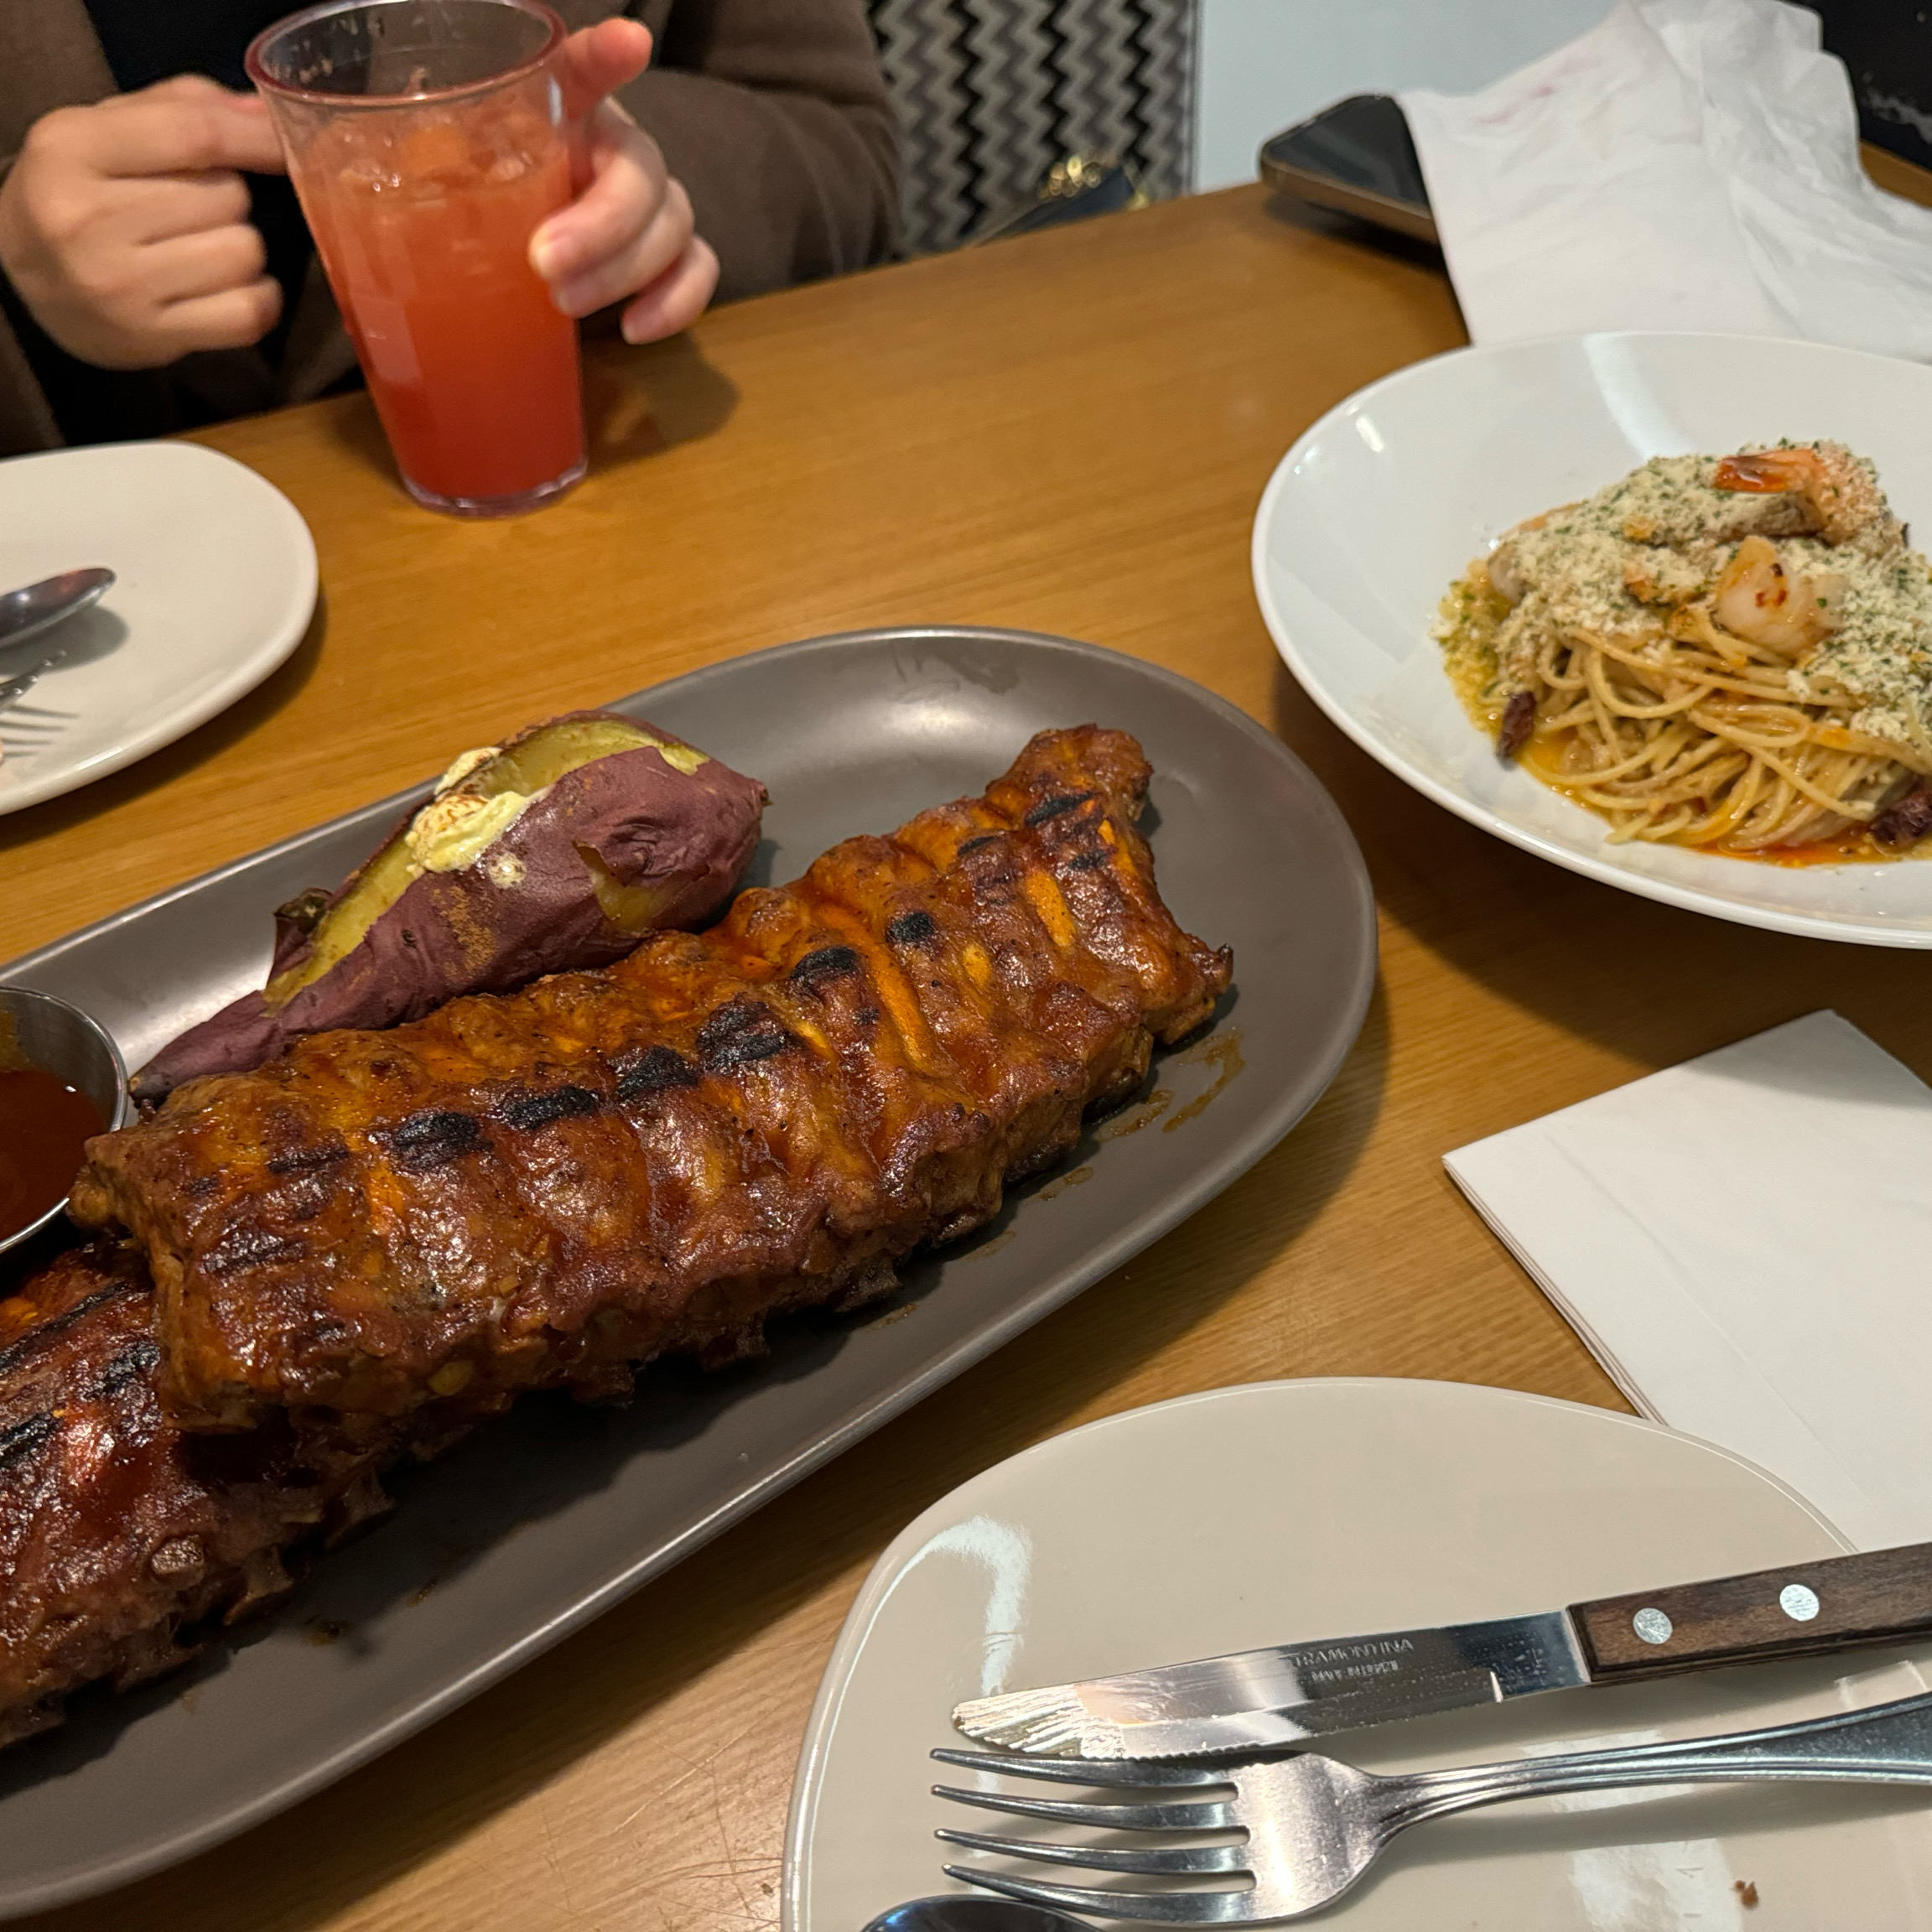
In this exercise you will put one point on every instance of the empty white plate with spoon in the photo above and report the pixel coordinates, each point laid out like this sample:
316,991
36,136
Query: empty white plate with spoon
214,584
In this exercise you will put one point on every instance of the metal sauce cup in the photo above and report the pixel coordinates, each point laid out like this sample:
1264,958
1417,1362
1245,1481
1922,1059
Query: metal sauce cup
76,1050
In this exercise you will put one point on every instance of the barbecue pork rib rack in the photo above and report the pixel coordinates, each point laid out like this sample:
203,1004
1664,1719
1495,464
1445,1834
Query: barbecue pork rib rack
550,1187
371,1243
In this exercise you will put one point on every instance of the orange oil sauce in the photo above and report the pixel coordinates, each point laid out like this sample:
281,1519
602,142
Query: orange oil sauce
1470,666
1542,758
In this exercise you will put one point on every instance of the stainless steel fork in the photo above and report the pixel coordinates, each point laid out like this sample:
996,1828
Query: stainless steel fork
14,689
29,727
1314,1825
20,678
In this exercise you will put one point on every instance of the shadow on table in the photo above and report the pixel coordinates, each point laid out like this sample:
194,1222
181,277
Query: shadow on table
313,1864
1652,983
636,402
161,767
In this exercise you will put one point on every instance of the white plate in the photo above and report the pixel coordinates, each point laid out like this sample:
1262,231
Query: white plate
214,583
1388,497
1289,1510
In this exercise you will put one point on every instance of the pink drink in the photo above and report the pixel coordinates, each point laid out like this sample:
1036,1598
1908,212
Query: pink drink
423,202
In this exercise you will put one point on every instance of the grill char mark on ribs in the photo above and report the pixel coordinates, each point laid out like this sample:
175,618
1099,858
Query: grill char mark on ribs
764,1116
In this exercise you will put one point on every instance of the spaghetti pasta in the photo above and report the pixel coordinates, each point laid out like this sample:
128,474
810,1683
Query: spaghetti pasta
1729,653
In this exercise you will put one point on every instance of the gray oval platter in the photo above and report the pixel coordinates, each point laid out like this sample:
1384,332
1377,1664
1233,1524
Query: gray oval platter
850,733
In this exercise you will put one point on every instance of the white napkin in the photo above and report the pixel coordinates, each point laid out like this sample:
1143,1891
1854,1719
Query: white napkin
1745,1244
1685,164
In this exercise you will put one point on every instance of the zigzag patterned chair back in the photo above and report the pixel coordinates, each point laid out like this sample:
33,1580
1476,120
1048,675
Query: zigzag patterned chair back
991,93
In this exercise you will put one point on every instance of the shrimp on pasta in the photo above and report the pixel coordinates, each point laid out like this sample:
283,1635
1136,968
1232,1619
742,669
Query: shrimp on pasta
1733,653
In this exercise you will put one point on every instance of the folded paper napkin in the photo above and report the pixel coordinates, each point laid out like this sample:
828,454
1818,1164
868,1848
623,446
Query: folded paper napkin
1685,164
1745,1244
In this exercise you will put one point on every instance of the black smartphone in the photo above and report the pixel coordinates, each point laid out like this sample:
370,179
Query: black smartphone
1358,157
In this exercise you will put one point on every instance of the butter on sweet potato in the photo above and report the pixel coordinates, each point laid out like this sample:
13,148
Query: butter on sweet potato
556,851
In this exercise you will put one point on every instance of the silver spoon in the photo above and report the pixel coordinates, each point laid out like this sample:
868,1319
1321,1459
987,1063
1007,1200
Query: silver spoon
961,1911
36,607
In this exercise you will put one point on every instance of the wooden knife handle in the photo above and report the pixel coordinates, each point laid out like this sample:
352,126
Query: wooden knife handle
1829,1605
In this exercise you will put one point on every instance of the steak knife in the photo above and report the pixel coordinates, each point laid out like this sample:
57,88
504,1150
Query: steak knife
1256,1699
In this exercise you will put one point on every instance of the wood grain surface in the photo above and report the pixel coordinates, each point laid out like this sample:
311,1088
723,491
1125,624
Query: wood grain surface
1067,433
1791,1611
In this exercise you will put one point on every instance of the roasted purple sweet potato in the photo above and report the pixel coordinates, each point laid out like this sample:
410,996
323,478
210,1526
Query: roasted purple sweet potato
554,852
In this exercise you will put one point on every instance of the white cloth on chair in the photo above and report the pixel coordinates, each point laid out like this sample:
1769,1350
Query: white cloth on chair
1685,164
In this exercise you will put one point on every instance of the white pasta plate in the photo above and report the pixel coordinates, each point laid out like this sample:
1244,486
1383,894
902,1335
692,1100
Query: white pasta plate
1385,501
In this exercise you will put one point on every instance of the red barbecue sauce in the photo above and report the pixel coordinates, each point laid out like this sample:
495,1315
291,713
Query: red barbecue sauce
43,1126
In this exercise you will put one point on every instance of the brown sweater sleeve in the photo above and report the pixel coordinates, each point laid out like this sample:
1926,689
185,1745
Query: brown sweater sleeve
50,57
773,113
26,418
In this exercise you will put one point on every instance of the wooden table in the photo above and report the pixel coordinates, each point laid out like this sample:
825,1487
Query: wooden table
1069,434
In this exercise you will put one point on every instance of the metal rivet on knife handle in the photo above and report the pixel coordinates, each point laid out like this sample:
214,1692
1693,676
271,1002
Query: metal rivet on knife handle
1866,1598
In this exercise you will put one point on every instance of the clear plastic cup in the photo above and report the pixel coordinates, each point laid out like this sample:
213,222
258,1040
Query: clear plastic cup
426,142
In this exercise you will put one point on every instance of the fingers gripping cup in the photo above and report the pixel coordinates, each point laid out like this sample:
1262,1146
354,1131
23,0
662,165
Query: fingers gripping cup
426,142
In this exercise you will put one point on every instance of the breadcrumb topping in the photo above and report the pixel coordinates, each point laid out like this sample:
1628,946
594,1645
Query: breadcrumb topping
1661,540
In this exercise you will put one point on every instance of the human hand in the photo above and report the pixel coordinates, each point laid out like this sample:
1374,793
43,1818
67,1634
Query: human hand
630,231
124,226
